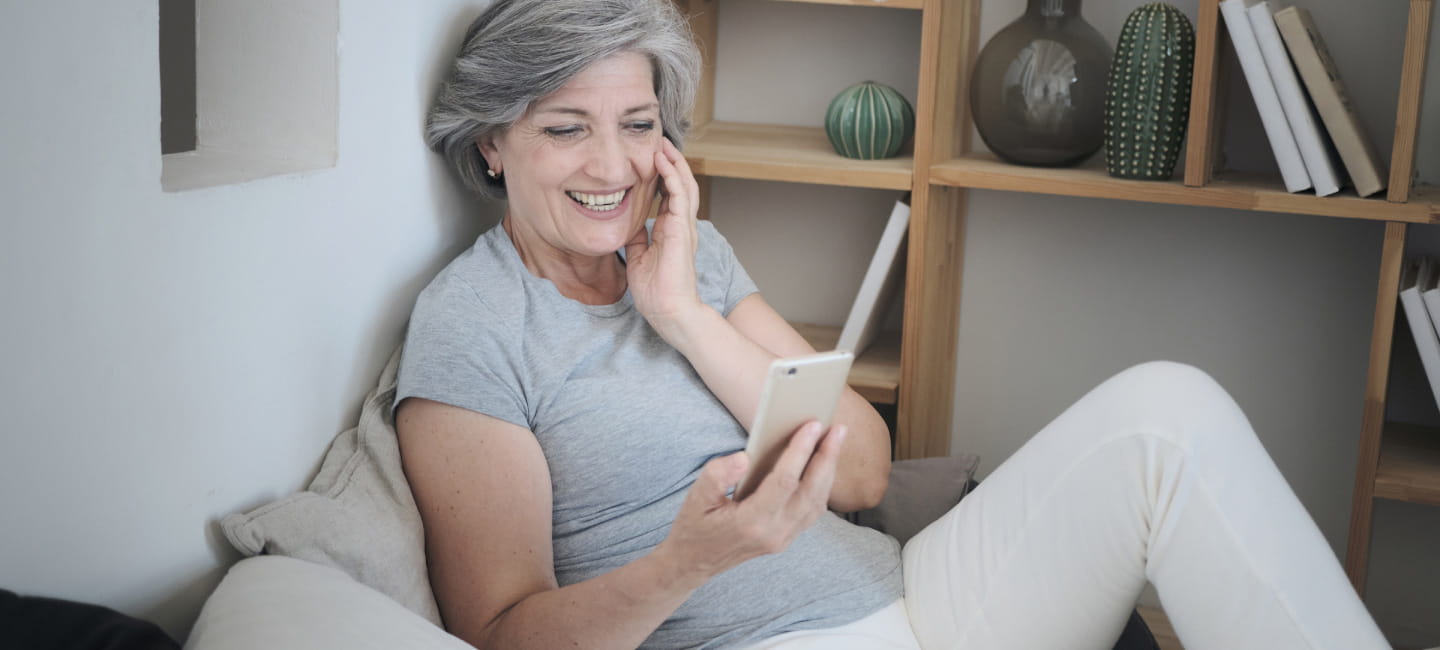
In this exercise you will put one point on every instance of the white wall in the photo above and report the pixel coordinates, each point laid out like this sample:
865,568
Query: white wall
1060,293
171,358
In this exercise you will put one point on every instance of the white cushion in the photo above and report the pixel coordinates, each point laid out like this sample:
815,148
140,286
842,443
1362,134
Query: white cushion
277,602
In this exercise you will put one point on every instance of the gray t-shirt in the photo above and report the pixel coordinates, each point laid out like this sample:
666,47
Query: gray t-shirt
626,424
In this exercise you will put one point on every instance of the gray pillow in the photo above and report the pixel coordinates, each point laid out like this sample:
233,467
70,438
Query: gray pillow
358,514
921,490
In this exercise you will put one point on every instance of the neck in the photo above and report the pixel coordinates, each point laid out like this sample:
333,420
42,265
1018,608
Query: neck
584,279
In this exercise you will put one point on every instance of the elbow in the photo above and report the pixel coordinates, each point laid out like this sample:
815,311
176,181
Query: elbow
862,493
873,490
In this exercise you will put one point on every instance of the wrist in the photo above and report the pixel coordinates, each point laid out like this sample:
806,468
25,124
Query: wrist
681,328
672,572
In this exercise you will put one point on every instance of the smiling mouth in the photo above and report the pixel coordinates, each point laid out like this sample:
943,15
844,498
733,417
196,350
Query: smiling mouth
599,202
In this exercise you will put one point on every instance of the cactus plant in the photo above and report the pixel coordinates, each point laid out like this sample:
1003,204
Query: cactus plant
869,121
1147,94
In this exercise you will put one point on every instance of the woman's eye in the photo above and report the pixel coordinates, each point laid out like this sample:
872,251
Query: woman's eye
645,126
563,132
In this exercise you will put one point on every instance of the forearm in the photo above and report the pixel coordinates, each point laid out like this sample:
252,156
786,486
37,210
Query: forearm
732,365
616,610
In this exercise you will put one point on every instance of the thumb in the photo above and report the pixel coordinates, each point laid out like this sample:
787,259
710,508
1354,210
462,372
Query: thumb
720,474
638,244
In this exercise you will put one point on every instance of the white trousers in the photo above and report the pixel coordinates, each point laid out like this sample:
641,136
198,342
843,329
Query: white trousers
1154,475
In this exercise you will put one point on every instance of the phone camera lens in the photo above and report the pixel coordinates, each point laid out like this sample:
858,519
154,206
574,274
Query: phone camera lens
792,371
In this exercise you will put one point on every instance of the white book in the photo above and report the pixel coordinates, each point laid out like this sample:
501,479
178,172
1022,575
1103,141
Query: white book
1272,116
1422,327
1322,79
878,288
1303,123
1429,286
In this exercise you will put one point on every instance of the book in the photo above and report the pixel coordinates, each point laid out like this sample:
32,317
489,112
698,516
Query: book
1322,80
1413,278
1272,116
1304,125
1429,286
877,290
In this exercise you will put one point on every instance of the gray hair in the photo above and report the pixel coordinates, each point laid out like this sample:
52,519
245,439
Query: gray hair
519,51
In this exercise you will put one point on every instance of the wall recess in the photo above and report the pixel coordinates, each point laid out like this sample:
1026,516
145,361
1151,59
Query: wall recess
264,90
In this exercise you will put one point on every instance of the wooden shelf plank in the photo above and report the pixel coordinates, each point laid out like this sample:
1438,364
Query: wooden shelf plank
884,4
1407,112
795,154
1409,465
1231,190
1372,419
876,373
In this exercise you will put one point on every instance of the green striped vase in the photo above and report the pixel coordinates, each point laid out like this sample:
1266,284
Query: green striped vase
869,121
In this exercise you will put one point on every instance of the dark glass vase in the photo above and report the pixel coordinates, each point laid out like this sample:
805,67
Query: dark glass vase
1038,89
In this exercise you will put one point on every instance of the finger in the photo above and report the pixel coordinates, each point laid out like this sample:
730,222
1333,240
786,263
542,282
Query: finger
720,474
676,194
683,167
819,475
638,244
780,485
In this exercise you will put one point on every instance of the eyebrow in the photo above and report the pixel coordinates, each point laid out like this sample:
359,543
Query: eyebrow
567,110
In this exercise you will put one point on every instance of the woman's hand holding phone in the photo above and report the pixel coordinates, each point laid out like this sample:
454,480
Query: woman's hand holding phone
713,533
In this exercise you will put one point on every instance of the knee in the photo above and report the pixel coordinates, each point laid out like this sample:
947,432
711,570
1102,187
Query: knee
1170,377
1173,392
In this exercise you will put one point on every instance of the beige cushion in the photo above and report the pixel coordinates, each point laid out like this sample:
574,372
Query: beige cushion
358,514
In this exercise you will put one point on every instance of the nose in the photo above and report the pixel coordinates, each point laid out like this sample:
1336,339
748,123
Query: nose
609,160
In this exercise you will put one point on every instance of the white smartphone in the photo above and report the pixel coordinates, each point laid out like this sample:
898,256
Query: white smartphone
797,390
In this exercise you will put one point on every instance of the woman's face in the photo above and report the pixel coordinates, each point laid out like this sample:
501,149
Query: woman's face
580,165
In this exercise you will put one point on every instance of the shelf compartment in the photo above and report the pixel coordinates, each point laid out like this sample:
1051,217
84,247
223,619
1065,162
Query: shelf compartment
1230,190
883,4
1409,468
876,372
795,154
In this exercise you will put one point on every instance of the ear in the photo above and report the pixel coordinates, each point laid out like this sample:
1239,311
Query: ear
490,151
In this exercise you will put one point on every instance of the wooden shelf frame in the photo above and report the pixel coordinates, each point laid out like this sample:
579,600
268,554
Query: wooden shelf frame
794,154
1387,460
1229,190
917,371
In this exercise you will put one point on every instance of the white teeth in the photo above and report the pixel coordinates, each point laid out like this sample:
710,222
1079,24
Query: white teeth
600,202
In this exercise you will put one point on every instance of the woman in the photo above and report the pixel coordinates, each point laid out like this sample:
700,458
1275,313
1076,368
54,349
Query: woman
572,387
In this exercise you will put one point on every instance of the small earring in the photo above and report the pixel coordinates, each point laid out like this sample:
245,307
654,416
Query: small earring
493,174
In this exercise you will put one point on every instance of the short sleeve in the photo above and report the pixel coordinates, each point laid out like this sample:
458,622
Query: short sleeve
456,353
723,281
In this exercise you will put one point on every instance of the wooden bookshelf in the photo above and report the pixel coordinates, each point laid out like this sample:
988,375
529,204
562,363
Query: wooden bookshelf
795,154
1393,463
1228,190
876,372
